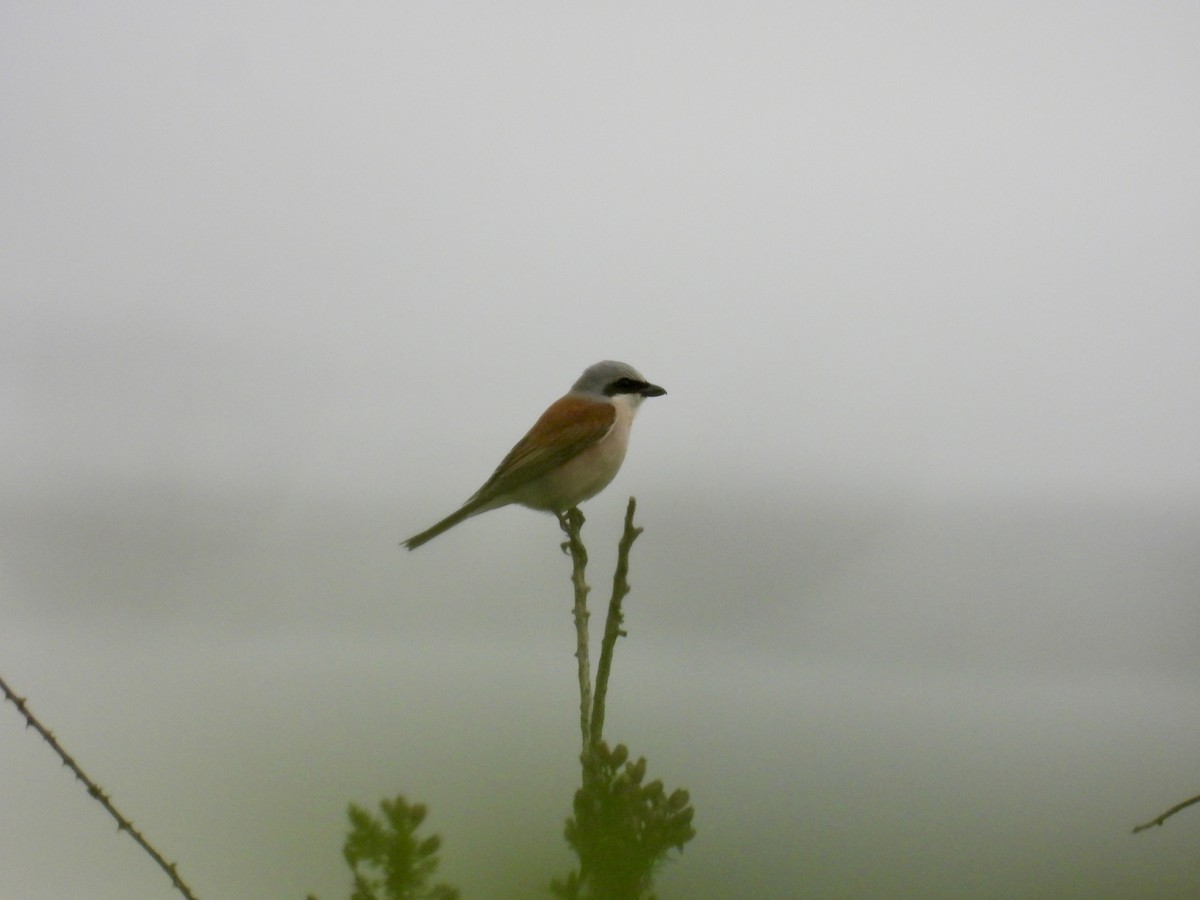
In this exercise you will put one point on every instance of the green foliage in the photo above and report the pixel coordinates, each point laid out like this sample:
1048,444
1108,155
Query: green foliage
388,859
622,829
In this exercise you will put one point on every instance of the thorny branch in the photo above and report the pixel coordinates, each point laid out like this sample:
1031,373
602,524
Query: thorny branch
571,522
1170,812
123,824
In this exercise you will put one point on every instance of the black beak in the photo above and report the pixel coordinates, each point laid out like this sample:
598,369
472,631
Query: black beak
652,390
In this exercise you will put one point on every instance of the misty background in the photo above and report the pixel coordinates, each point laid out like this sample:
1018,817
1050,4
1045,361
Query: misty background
917,604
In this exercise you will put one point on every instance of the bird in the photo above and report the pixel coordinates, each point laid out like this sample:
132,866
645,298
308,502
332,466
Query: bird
569,455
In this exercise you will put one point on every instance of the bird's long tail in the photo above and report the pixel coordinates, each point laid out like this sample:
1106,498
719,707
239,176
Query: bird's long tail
447,523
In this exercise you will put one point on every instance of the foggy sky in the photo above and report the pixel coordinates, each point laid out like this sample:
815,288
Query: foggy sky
915,611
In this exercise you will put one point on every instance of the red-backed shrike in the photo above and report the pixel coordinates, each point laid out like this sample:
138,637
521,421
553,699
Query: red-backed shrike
570,454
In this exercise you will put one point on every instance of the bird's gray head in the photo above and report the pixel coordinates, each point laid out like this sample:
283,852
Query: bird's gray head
610,379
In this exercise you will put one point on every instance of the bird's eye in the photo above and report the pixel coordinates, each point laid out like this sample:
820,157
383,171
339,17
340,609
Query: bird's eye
623,386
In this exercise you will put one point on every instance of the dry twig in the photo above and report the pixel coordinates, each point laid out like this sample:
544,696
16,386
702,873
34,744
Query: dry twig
612,625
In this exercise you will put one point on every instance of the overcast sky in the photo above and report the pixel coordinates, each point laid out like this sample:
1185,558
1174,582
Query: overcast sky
281,283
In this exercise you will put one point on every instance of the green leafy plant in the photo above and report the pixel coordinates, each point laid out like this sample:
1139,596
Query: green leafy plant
622,829
389,860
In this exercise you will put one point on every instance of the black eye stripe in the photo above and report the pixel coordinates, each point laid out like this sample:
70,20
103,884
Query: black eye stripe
623,386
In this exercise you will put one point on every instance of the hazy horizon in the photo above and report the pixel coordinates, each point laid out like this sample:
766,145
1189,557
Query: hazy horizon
915,608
